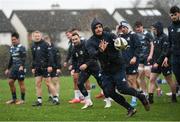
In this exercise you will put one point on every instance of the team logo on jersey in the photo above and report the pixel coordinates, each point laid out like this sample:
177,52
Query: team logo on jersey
38,48
172,30
156,42
124,79
134,71
21,76
168,72
128,39
81,52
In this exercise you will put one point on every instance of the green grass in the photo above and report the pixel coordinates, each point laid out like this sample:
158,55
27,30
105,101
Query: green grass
161,110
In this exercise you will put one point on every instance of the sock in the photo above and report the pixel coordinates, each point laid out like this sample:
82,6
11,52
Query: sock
50,95
173,96
14,96
89,93
133,99
87,98
39,99
76,94
81,96
57,94
22,96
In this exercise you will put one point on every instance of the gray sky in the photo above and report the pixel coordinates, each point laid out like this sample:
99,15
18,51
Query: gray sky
8,5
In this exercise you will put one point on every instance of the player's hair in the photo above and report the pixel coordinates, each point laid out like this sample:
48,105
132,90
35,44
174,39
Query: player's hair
36,32
75,33
138,23
174,9
72,30
15,34
39,32
107,29
46,37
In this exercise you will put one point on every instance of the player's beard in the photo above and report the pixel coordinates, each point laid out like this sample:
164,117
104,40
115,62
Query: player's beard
37,40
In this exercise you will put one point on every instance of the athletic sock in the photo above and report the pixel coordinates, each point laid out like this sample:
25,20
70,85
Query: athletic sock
22,96
14,97
76,94
134,99
89,93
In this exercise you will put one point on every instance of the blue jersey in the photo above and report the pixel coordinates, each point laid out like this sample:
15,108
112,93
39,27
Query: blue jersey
145,39
133,46
17,56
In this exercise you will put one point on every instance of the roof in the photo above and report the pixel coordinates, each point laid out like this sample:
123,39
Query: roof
61,20
5,25
146,15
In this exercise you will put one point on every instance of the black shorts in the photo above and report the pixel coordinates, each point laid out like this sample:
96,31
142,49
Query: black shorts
165,70
144,61
131,69
41,72
77,70
15,74
54,73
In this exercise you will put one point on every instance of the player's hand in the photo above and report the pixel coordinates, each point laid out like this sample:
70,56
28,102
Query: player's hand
6,72
49,69
103,45
149,58
155,65
33,71
65,64
70,67
83,67
165,62
21,68
72,72
133,60
58,71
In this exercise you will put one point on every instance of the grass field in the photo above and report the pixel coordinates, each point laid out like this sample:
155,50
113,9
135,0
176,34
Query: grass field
161,110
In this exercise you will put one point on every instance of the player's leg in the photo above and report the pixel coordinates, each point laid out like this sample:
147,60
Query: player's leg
153,77
168,76
13,91
77,92
52,90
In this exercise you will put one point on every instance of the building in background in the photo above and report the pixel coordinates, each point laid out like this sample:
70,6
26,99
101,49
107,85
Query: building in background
57,22
5,30
146,15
